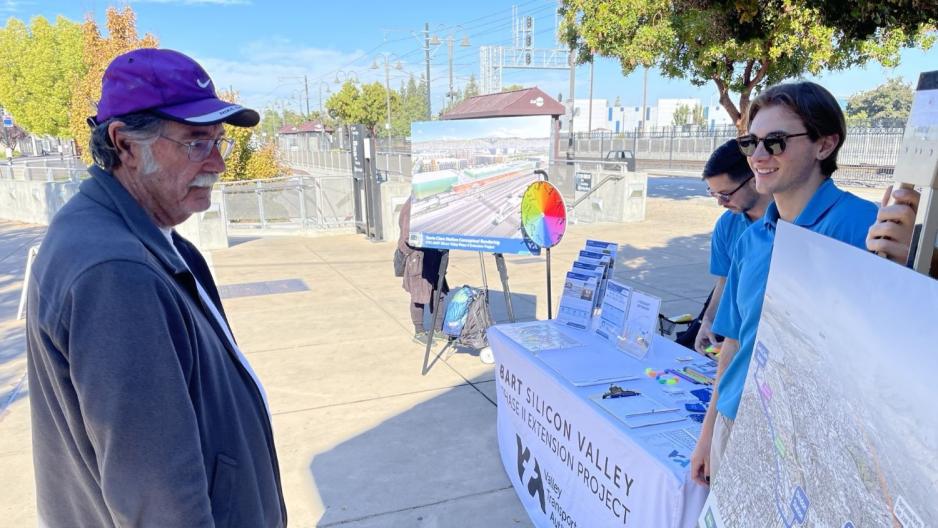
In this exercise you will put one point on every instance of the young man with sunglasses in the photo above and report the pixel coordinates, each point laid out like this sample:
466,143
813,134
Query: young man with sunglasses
731,181
144,410
795,132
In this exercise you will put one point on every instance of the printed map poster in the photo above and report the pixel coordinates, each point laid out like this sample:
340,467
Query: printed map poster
469,176
838,425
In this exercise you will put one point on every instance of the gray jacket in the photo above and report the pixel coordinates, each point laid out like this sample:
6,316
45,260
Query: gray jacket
141,413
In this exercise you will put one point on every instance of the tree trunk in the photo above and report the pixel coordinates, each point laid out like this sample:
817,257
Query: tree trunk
736,114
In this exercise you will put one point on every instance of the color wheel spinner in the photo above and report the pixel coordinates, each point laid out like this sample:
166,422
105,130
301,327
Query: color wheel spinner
543,214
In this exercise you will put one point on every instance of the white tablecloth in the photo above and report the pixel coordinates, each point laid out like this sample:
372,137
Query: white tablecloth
575,465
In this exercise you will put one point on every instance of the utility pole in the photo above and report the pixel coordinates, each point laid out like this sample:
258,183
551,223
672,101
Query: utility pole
306,85
449,42
426,54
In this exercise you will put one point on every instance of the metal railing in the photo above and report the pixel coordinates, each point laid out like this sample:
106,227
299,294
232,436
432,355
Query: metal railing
867,157
309,203
40,172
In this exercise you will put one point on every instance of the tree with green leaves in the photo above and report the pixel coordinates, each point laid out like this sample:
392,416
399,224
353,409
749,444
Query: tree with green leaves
681,115
40,66
368,106
887,105
471,89
697,116
344,104
742,46
413,106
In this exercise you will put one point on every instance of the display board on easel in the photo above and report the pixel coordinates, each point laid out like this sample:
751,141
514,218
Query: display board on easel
468,180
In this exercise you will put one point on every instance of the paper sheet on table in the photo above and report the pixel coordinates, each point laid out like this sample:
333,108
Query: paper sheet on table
628,406
536,336
591,366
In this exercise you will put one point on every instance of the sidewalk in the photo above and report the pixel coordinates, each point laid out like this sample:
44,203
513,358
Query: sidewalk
364,440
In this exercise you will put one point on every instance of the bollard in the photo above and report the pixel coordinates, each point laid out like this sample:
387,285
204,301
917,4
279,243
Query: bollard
260,204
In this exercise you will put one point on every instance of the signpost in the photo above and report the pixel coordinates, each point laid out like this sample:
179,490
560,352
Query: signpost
584,181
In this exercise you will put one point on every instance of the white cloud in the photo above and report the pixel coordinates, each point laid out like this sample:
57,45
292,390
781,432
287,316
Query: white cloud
271,70
12,6
194,2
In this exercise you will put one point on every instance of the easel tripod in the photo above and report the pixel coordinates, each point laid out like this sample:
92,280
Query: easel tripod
436,301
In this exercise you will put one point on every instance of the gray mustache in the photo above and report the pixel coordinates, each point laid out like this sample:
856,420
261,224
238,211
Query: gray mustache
206,179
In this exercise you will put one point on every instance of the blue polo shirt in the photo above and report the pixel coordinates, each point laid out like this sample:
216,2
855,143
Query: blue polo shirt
725,234
831,212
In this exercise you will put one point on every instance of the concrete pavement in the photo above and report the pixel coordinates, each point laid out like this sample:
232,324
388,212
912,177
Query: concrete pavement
364,439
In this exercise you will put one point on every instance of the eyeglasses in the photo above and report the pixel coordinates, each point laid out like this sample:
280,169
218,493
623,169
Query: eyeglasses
200,149
774,142
725,197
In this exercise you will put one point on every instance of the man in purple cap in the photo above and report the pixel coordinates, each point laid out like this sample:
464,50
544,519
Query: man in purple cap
144,410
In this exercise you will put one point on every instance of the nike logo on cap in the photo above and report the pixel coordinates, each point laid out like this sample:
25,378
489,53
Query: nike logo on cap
203,84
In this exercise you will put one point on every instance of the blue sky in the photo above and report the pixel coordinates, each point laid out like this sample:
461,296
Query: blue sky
264,48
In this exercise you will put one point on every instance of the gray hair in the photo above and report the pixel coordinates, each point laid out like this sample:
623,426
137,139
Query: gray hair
140,127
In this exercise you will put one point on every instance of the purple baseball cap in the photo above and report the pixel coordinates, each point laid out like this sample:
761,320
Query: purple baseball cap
168,84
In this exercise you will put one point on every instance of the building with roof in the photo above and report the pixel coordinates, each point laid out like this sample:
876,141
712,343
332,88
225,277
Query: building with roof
311,135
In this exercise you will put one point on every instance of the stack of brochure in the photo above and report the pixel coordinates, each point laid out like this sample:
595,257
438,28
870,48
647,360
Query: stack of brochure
585,284
627,318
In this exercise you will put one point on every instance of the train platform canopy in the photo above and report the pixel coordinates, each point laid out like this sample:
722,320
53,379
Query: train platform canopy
524,102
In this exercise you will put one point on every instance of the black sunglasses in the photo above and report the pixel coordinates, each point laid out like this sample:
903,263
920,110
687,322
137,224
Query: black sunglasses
774,142
725,197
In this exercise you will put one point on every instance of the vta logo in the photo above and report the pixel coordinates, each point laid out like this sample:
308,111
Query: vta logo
678,458
535,482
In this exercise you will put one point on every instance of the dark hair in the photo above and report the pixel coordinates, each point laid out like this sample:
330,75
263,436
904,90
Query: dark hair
728,159
140,127
817,108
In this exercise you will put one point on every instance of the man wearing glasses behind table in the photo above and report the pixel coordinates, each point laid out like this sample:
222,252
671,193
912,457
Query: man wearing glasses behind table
730,180
795,132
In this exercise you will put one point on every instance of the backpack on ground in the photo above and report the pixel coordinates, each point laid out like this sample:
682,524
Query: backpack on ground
467,317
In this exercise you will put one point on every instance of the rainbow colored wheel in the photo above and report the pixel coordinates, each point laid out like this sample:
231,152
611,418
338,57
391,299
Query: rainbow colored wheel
543,214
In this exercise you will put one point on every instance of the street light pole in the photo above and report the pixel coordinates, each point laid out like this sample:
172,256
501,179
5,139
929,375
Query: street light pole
321,83
306,87
387,95
387,85
426,54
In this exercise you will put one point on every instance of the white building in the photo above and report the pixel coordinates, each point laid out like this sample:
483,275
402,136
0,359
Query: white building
716,116
581,119
667,107
624,119
628,118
